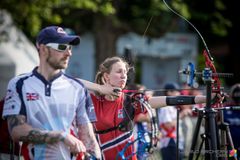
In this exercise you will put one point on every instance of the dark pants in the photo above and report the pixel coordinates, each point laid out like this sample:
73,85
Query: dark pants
170,153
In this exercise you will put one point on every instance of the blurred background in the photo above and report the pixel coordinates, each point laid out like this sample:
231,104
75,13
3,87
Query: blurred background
155,40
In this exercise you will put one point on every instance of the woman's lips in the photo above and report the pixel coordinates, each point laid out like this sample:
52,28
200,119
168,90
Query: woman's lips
122,81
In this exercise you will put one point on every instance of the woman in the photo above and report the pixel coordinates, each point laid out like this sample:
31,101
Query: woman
110,109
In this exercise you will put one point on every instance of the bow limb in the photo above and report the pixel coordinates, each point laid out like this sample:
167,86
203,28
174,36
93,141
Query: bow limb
154,125
216,84
153,121
139,100
216,87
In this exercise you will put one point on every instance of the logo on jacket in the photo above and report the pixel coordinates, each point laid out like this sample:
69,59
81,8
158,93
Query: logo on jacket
120,113
32,96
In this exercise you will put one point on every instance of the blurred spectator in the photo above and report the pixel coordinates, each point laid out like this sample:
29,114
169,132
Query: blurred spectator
232,117
189,119
168,123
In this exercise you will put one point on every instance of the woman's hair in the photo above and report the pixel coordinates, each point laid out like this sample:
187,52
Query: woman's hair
106,67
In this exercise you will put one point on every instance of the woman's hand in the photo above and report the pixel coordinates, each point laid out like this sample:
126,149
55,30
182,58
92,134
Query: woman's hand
104,89
109,90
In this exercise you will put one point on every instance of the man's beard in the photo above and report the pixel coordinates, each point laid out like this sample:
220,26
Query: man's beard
54,64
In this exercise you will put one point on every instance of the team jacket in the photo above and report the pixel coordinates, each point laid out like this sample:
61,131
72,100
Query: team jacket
50,106
109,114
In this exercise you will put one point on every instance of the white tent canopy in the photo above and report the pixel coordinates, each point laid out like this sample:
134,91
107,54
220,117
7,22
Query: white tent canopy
17,54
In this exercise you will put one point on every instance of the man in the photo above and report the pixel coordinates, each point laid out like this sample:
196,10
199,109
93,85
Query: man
42,106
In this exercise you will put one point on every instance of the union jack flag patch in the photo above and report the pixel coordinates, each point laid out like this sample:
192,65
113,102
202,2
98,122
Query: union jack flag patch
32,96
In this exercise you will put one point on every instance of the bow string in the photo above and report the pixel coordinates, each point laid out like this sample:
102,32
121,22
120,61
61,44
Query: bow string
139,99
138,95
209,63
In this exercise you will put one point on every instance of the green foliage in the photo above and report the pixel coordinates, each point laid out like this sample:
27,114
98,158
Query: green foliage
219,27
182,8
127,15
29,15
145,17
140,14
32,15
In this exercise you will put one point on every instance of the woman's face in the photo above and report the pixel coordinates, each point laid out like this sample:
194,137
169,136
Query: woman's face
117,76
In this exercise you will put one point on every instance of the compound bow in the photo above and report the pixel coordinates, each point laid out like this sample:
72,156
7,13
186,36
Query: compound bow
139,99
211,73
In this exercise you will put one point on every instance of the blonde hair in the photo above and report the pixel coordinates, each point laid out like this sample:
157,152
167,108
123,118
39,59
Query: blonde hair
106,67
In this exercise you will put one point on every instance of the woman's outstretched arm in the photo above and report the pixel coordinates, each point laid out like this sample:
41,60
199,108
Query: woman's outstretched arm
102,89
162,101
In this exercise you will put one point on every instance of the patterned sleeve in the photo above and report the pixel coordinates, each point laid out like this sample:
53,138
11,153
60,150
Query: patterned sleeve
12,102
89,107
85,110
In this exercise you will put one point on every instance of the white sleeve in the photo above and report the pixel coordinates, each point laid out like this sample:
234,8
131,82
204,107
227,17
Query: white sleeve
166,114
12,102
85,110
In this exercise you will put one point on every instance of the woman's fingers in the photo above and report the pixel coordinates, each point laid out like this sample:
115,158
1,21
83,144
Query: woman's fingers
109,90
117,91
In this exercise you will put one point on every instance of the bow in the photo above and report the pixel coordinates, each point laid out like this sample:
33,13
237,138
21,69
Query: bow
216,84
138,99
211,77
209,63
208,74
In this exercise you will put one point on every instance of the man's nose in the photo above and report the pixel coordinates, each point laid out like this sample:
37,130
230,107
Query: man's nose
68,52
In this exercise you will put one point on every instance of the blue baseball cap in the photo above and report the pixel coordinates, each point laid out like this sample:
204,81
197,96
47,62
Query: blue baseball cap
171,86
55,34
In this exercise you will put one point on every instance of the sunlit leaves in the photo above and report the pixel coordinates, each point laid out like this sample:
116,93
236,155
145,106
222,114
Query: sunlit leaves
31,15
182,8
219,26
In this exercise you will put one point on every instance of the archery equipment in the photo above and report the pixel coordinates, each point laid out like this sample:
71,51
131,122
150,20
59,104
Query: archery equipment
213,147
139,99
213,85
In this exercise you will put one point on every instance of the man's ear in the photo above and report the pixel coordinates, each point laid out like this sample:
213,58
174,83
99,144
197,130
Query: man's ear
44,50
41,47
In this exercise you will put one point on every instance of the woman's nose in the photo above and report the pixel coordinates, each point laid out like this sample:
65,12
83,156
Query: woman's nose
124,75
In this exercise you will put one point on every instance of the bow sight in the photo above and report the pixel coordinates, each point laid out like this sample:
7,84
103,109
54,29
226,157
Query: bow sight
206,74
213,143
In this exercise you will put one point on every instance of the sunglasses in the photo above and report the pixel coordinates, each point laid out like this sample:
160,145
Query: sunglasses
59,47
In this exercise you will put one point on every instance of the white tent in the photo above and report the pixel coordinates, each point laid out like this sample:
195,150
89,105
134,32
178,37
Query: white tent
17,54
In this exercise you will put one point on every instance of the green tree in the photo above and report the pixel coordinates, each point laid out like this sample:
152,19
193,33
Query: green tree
108,19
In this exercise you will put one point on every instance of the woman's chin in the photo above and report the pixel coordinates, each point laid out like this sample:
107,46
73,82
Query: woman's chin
122,86
119,86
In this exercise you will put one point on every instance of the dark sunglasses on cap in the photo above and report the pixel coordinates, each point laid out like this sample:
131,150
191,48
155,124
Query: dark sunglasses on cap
59,47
